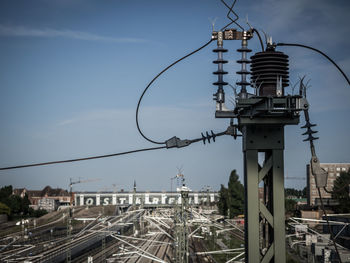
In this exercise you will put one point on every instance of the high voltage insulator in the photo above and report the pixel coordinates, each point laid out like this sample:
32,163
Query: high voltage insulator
270,72
309,131
244,61
219,96
243,72
208,136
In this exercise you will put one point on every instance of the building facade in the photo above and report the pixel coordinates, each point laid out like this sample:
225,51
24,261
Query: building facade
142,198
48,204
58,195
334,170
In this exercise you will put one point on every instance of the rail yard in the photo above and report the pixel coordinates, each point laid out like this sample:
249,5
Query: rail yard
131,235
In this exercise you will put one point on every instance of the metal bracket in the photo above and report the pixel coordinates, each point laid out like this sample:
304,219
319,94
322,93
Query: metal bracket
233,34
177,142
320,174
268,107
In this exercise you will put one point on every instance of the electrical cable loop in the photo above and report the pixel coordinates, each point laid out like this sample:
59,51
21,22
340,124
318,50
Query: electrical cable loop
151,82
320,52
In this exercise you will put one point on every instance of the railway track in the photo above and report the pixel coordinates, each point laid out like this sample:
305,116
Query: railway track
81,245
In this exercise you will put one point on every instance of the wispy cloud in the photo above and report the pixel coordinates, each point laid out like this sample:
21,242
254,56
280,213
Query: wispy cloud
21,31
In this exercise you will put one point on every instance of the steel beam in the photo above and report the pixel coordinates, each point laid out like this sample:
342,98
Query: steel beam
268,246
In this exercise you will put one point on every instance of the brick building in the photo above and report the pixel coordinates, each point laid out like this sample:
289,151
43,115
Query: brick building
39,198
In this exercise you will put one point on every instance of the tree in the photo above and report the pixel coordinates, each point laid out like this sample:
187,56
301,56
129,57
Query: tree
25,204
223,200
232,198
5,192
15,203
295,192
290,206
235,195
341,192
4,209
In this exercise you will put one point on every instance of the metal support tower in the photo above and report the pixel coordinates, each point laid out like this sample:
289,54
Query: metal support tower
69,236
70,216
103,247
264,220
134,195
261,118
181,232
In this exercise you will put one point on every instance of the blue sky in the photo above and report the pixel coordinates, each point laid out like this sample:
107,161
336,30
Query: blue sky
72,72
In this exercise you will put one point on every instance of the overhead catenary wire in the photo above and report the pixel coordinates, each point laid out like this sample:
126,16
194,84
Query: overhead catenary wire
81,159
320,52
230,10
174,144
151,82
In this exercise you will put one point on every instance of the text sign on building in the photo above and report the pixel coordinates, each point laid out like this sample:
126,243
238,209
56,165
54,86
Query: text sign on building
145,198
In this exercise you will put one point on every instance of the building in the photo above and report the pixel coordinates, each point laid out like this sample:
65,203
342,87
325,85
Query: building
48,204
38,198
334,170
147,199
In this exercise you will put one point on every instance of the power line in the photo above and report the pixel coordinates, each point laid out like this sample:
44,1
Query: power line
81,159
173,142
320,52
261,42
151,82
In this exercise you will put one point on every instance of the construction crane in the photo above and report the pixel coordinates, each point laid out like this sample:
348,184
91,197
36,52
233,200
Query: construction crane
79,182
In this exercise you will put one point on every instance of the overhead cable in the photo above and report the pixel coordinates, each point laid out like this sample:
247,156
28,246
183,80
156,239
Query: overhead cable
173,142
320,52
81,159
151,82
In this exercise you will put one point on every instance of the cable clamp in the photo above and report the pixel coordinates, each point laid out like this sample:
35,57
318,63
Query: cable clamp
232,130
176,142
320,174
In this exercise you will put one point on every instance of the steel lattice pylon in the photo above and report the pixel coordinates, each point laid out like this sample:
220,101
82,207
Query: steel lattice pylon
181,231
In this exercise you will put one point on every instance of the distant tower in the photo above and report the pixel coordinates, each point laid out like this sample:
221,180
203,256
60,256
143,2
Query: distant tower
134,195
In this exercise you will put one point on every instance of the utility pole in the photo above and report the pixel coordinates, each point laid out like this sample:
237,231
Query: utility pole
261,117
181,232
134,195
70,216
103,247
69,223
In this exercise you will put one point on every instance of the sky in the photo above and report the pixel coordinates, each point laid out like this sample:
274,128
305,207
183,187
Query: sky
72,73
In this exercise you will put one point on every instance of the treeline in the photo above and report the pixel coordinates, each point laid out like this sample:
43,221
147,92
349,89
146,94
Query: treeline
15,206
341,193
295,192
231,199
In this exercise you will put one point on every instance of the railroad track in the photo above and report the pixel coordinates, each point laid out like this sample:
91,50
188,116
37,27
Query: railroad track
55,250
155,249
198,246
